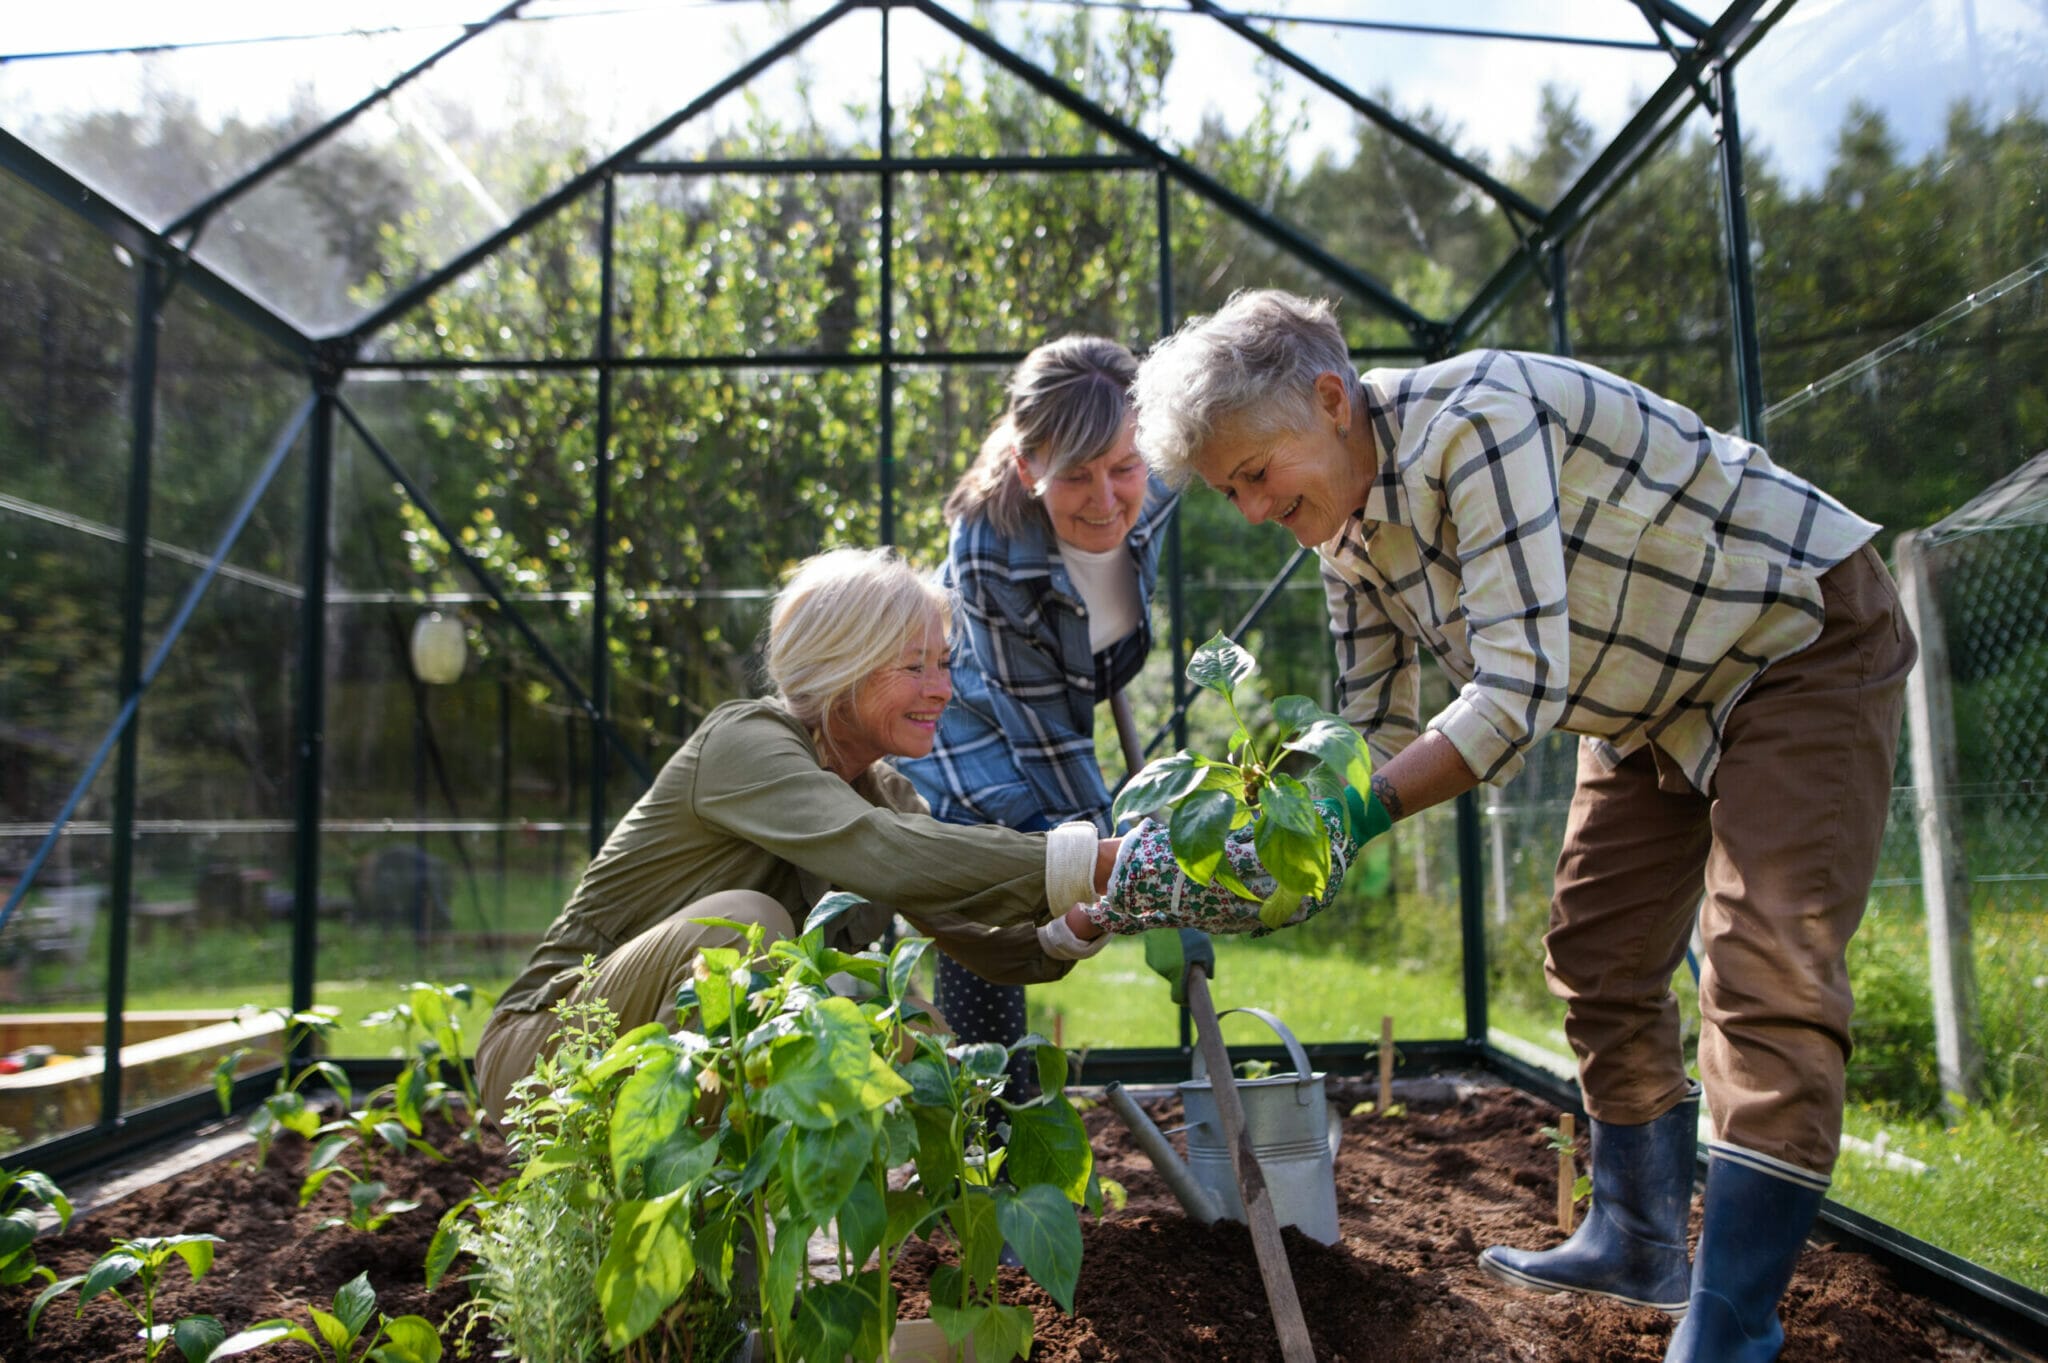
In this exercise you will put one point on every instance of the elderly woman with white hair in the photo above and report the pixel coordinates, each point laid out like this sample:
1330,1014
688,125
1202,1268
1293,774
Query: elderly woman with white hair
773,803
1581,554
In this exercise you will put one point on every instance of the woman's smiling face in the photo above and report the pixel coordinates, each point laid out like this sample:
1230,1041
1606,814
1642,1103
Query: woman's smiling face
1310,481
895,712
1093,506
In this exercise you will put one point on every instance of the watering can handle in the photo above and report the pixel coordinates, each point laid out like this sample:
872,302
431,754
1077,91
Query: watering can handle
1294,1050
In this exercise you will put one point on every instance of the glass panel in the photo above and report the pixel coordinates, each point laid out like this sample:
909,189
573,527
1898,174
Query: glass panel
66,334
1900,240
182,100
211,912
1215,255
535,298
742,265
492,128
1001,262
1648,288
950,100
818,101
723,479
1522,321
458,813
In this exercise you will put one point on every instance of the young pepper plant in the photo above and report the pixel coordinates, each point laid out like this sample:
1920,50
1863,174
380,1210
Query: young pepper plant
142,1261
1205,801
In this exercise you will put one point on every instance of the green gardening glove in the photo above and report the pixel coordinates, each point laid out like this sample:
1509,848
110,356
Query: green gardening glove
1172,952
1365,818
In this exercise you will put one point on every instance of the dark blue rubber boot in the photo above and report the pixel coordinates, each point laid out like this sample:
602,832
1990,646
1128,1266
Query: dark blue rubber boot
1631,1246
1754,1221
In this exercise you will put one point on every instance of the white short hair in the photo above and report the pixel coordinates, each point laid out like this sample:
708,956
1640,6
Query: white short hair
843,616
1253,363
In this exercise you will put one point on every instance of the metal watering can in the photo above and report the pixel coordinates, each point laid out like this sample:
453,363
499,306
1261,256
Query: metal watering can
1293,1130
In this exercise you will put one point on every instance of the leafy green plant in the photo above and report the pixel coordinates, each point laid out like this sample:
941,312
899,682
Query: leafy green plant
21,1192
431,1024
285,1107
1582,1186
1204,800
364,1132
142,1261
345,1334
716,1152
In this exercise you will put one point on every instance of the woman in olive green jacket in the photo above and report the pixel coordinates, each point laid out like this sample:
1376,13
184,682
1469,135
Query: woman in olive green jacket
773,803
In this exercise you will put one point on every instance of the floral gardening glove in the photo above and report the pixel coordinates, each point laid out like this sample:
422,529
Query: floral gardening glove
1147,888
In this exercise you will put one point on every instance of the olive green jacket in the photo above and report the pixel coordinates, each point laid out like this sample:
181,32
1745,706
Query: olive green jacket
748,805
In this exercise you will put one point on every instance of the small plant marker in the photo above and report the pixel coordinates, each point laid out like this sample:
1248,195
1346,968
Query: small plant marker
1567,1174
1386,1064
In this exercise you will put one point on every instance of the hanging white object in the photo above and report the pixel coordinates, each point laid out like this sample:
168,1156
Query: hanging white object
440,646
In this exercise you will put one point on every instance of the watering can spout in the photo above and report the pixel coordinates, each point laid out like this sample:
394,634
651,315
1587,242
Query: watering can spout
1194,1198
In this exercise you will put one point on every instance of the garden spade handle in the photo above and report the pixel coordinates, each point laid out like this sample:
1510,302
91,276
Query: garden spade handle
1251,1179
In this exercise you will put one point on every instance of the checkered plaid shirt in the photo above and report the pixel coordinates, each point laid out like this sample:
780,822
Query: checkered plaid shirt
1017,745
1578,553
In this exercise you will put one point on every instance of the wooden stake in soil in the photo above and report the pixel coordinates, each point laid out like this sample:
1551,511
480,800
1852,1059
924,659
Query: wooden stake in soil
1567,1174
1251,1179
1386,1064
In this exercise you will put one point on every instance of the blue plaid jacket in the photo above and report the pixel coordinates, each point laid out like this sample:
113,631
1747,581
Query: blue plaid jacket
1017,745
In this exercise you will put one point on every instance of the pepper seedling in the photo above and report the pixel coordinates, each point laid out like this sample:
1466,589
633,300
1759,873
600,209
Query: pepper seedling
1204,801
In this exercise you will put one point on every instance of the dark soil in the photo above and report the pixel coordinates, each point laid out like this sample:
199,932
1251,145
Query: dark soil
1419,1195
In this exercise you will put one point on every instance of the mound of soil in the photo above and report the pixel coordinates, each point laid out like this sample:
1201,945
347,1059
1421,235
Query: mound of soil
1419,1194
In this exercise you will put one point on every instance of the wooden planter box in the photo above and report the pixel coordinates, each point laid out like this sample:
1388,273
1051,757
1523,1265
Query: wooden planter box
164,1055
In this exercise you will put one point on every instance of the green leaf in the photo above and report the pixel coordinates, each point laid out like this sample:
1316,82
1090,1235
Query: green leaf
1288,803
784,1266
1052,1067
110,1270
828,1163
405,1099
49,1294
1162,782
984,1059
355,1302
332,1329
17,1232
1040,1225
830,910
1198,831
393,1134
829,1071
261,1334
930,1084
446,1244
1219,665
863,1222
903,959
196,1337
1003,1332
828,1317
908,1213
1049,1145
647,1267
412,1339
958,1322
1340,748
715,994
973,1215
762,1162
1295,713
651,1117
939,1161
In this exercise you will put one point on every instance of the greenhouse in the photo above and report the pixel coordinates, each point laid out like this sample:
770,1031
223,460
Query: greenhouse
409,412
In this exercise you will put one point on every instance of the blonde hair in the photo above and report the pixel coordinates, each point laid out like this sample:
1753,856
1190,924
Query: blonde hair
1068,404
843,616
1253,362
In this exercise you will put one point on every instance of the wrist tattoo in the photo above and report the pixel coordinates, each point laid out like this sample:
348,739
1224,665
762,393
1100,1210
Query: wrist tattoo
1389,798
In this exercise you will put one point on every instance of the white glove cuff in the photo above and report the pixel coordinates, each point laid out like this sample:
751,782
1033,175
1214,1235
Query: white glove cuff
1070,864
1060,942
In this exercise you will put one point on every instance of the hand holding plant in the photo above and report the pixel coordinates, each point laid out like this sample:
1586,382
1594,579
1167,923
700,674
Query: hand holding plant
1253,847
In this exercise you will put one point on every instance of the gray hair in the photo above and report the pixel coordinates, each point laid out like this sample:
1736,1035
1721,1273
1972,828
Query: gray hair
842,617
1253,363
1068,405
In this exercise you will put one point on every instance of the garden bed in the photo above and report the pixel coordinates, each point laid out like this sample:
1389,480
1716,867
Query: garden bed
1419,1194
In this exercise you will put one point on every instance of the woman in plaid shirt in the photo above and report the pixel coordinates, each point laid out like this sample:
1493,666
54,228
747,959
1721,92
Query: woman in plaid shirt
1581,554
1053,553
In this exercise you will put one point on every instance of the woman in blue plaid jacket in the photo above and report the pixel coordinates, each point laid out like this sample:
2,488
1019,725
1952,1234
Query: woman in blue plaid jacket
1053,554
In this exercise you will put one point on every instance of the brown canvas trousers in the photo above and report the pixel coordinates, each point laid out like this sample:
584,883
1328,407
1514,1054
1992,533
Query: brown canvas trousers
1785,846
638,981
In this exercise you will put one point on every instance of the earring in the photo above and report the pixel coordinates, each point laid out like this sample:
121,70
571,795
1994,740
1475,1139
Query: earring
1343,432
